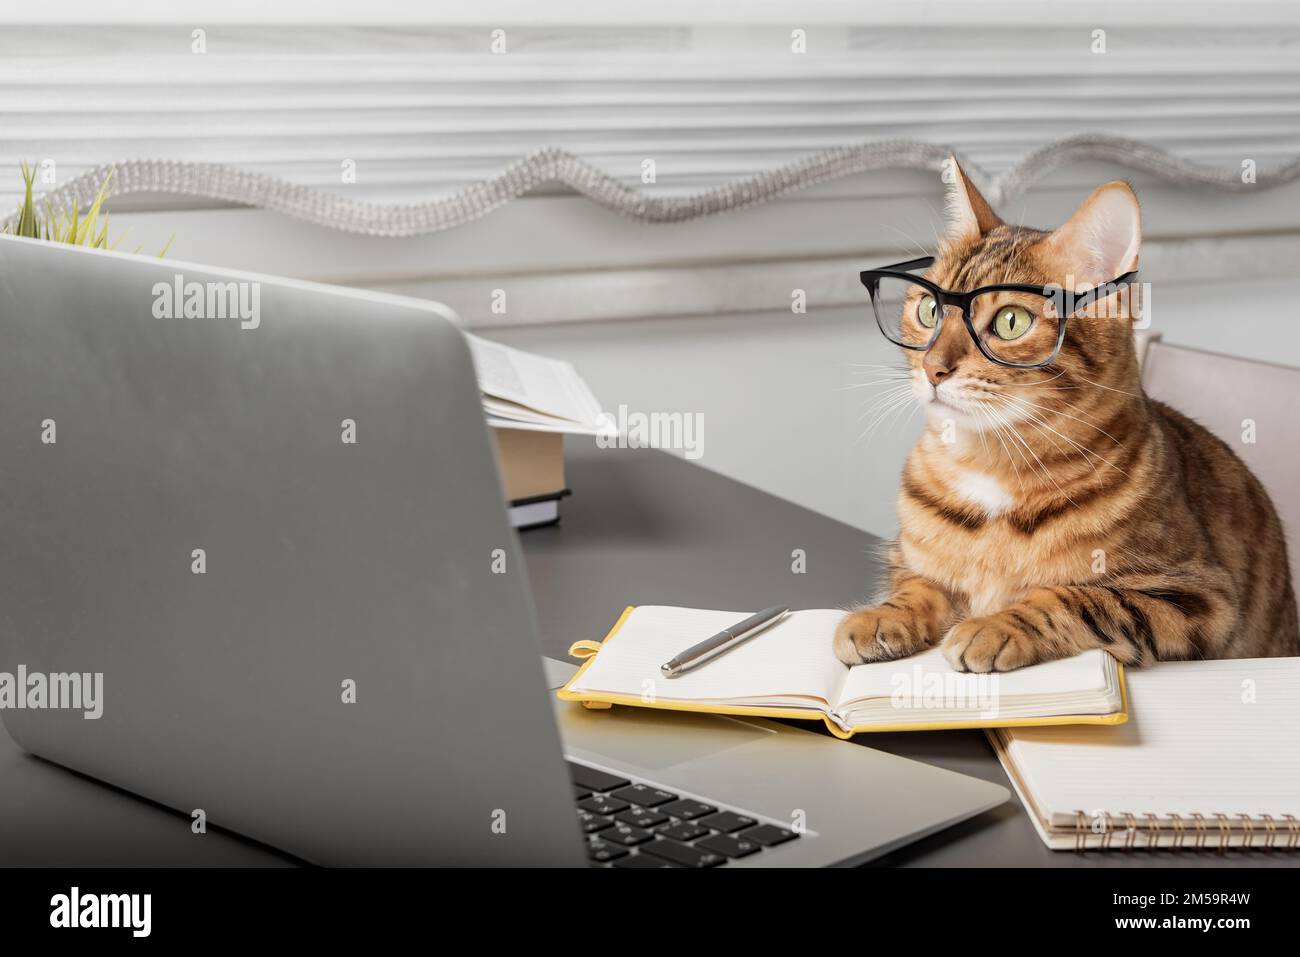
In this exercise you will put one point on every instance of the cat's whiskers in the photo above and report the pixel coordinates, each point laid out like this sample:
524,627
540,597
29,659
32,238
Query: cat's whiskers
879,406
1014,435
1023,406
998,434
1134,395
1039,382
908,236
1003,431
882,407
987,424
1025,403
1042,468
1047,408
979,430
1045,430
893,366
874,382
1009,443
1089,454
890,412
889,391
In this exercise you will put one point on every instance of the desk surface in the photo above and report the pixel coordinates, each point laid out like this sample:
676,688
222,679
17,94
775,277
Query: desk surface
641,528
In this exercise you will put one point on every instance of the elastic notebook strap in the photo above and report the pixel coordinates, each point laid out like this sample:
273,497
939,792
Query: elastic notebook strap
583,649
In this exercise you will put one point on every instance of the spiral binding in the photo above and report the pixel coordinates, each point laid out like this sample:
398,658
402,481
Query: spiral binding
1194,832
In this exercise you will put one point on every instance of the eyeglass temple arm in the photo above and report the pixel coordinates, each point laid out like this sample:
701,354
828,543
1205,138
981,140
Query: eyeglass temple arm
925,262
1104,290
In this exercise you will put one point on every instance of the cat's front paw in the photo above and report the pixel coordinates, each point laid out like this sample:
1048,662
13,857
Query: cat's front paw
991,643
877,634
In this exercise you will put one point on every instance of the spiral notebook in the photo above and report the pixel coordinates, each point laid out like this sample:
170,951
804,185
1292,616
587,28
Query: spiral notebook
790,671
1209,758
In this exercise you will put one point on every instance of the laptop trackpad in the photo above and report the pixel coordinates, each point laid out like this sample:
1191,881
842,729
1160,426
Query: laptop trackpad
651,739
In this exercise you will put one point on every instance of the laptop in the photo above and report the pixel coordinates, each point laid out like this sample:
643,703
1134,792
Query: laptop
266,513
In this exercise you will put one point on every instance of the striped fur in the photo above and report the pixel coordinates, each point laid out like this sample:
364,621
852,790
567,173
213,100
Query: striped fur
1069,511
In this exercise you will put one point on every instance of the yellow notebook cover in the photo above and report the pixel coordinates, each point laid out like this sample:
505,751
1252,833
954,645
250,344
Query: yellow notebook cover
588,650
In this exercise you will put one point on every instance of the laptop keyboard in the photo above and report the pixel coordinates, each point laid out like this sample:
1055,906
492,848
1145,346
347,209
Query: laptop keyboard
636,824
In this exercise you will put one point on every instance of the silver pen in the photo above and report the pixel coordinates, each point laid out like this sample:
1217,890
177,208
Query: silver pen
710,648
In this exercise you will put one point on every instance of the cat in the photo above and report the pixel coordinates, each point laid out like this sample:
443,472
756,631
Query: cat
1107,520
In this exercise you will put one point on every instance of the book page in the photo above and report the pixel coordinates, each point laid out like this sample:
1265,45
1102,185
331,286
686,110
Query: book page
928,671
792,657
1203,737
519,384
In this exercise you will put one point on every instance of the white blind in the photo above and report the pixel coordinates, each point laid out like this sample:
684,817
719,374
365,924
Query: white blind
424,109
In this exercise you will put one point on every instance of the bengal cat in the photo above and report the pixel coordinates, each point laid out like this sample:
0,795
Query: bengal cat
1044,512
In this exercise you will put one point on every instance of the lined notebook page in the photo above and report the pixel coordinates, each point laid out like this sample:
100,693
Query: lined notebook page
1202,737
793,657
1067,676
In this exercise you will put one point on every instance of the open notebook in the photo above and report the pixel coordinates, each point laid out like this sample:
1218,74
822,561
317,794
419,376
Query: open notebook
790,671
1210,758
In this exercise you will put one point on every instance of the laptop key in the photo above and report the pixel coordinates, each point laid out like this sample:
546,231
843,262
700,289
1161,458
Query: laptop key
579,792
683,854
602,852
687,809
603,804
594,779
728,845
769,835
641,860
684,831
726,821
644,795
591,823
626,835
641,817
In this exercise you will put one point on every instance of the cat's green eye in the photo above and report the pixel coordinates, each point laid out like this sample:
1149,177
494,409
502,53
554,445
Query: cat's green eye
1012,322
927,311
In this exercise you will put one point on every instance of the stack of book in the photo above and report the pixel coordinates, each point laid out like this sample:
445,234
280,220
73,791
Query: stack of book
531,403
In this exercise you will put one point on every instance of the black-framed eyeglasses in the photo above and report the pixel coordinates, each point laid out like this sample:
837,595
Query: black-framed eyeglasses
1021,325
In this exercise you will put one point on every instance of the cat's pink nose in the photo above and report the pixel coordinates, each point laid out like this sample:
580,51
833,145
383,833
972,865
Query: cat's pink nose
935,371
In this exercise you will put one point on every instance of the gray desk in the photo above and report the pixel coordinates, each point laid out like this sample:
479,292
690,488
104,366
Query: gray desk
641,528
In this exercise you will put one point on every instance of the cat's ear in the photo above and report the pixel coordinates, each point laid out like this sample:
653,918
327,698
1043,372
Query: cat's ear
969,215
1101,240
